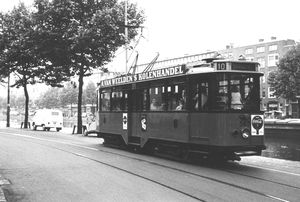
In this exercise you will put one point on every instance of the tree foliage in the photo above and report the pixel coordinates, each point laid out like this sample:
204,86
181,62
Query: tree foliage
59,39
18,49
90,94
286,79
79,36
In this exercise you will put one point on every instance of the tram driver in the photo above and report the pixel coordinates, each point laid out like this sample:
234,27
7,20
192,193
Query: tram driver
203,98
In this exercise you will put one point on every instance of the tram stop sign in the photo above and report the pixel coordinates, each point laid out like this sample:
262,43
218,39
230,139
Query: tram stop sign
257,124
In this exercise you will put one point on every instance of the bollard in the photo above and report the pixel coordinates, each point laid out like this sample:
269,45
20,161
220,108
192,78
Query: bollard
74,127
84,128
28,124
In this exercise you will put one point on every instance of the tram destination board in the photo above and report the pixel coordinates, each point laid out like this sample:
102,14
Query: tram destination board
243,66
236,66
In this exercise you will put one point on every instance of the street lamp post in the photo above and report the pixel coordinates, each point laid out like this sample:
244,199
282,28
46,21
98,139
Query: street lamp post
8,103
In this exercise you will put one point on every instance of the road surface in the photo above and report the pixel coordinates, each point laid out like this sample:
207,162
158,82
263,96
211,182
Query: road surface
58,166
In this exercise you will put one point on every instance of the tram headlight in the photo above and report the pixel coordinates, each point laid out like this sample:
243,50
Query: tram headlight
245,133
235,133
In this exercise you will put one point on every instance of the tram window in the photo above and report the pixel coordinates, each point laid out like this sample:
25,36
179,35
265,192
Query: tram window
220,96
142,99
157,99
199,102
176,97
126,100
116,100
105,101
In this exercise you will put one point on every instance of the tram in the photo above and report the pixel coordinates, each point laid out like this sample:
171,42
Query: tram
210,108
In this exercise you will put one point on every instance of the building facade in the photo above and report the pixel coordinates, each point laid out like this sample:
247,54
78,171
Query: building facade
267,53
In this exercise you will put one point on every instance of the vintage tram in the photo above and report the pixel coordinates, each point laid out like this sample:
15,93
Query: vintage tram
210,107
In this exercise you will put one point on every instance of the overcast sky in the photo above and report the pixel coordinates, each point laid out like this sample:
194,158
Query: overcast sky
175,28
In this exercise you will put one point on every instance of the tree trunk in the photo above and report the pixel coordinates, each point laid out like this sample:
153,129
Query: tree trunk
26,105
79,118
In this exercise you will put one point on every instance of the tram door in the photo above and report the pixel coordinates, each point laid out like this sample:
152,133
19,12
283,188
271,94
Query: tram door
199,105
135,101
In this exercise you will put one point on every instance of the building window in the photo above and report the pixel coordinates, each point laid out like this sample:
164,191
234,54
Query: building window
273,59
271,92
263,93
249,51
260,49
273,47
261,61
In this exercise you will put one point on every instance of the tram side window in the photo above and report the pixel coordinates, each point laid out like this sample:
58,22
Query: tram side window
199,102
142,99
157,100
176,97
105,101
116,100
126,100
221,93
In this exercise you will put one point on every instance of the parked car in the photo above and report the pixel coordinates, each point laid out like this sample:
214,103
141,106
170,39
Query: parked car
47,119
273,115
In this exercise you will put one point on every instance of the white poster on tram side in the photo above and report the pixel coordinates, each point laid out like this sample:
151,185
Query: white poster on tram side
257,125
125,121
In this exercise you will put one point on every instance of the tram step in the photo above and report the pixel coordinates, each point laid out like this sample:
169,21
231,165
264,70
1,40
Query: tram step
134,140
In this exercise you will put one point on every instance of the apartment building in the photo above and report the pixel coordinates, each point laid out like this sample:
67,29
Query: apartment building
267,53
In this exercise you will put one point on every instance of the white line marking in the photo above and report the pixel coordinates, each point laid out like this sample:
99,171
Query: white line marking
276,198
28,136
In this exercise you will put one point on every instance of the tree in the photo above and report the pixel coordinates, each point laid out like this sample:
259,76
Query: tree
79,36
68,95
17,53
286,79
90,94
49,99
20,56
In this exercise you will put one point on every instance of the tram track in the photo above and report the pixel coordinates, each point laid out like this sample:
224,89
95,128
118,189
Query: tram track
184,172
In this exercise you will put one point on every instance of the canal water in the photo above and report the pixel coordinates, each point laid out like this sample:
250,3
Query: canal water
283,147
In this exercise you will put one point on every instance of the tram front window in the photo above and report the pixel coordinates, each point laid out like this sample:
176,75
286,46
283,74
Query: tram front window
236,92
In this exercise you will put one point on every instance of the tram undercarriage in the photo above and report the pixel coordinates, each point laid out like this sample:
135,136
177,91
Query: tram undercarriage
180,150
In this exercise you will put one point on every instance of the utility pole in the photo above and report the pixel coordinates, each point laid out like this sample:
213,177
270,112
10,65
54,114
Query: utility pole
126,36
8,103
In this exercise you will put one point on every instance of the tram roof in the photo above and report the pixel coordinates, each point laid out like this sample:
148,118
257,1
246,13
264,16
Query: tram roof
214,66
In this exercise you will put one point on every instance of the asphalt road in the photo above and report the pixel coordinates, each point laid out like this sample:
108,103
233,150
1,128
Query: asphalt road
50,166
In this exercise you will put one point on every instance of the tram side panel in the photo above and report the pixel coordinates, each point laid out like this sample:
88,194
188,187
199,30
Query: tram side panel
223,130
111,123
165,126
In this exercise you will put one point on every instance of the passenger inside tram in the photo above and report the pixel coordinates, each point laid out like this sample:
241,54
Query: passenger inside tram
203,98
180,106
155,106
236,99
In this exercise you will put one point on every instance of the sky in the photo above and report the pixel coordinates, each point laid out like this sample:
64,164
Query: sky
175,28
